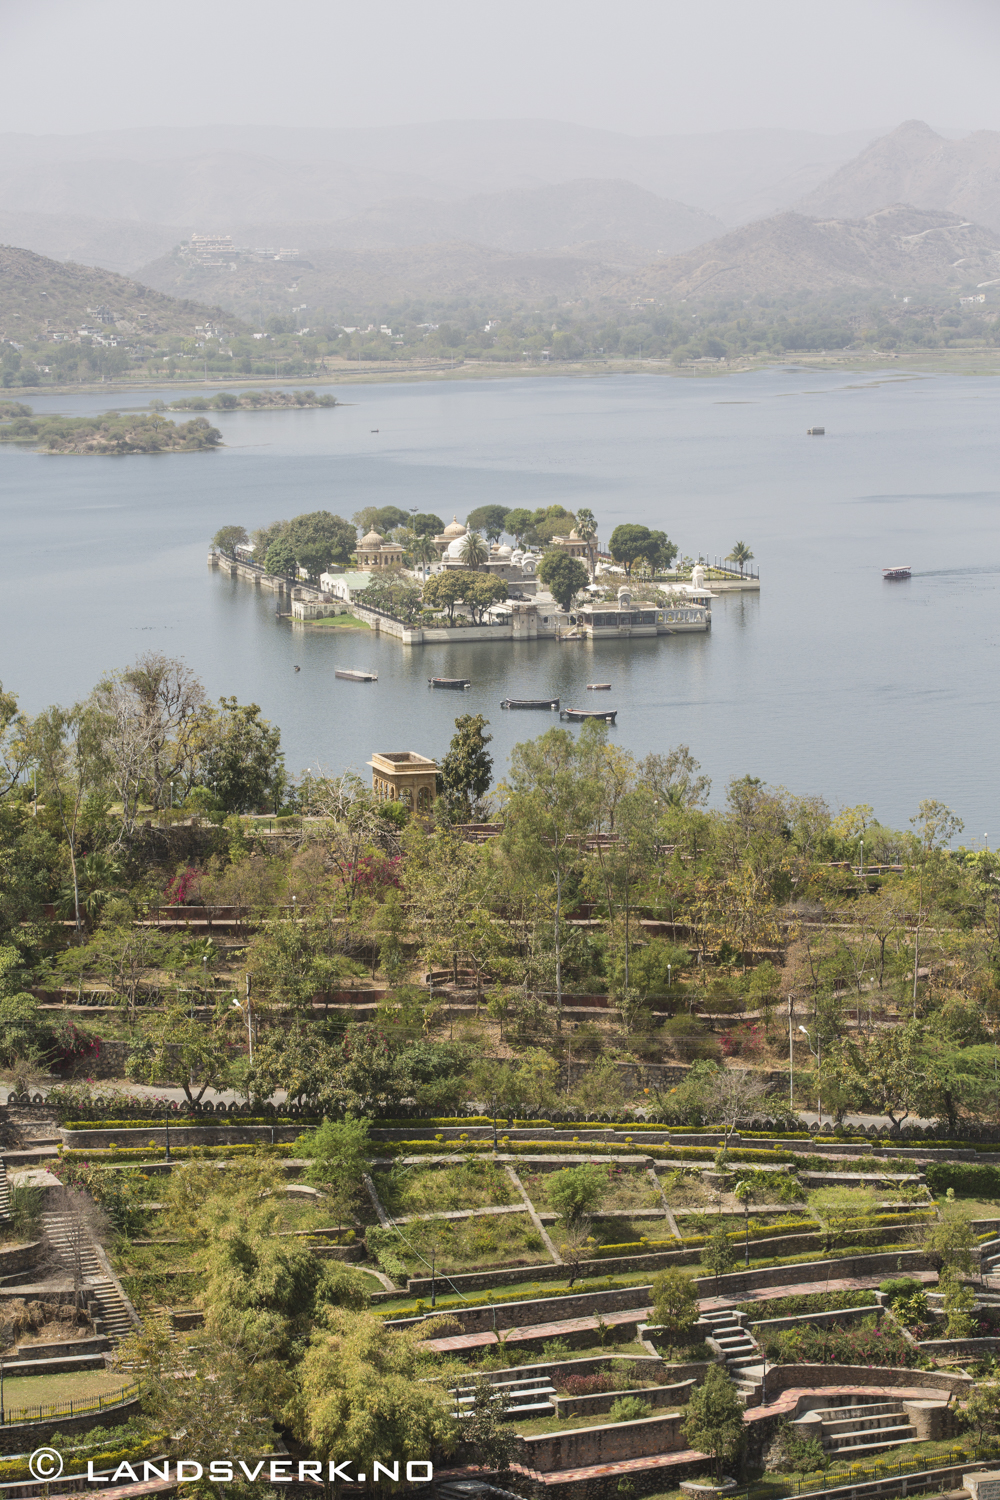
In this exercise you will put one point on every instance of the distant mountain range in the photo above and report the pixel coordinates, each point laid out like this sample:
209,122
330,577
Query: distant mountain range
914,164
898,247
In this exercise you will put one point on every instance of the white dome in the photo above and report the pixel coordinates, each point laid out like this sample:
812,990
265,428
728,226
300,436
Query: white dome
454,548
504,552
517,556
529,564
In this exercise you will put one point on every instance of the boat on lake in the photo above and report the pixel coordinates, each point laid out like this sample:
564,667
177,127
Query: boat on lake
890,574
548,703
349,674
578,715
457,683
598,687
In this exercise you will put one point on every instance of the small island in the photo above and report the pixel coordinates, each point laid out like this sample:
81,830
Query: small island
111,433
250,400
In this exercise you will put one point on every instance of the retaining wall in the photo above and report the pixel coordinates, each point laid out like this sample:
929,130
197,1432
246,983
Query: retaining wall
582,1447
657,1396
542,1310
789,1377
17,1258
25,1437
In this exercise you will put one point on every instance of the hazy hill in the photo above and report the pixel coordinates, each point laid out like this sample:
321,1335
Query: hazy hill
584,212
895,247
341,280
914,164
39,297
198,178
116,244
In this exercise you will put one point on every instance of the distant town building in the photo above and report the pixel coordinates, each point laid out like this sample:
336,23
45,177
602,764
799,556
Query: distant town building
403,776
374,552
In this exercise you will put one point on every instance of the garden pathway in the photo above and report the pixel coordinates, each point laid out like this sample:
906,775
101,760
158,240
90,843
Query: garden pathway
546,1241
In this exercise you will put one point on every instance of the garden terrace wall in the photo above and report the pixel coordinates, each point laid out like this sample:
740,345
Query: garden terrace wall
584,1446
568,1408
647,1367
181,1134
526,1314
15,1259
887,1377
25,1437
813,1319
736,1282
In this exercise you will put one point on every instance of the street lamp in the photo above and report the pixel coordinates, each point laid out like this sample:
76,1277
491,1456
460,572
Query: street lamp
817,1053
791,1057
239,1007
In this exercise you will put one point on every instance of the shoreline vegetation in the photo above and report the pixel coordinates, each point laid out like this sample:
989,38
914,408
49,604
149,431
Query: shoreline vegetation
984,361
111,433
249,400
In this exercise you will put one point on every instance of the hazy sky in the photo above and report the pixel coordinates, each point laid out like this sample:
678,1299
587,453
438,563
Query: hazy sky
641,66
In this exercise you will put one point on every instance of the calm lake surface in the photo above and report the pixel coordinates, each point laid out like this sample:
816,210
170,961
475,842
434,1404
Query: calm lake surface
830,681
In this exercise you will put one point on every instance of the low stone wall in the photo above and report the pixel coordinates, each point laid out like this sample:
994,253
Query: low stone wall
659,1397
25,1437
584,1446
788,1377
15,1259
737,1284
822,1319
961,1346
646,1366
180,1135
539,1310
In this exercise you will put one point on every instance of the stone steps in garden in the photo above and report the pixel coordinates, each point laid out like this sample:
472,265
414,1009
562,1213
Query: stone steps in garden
860,1429
76,1255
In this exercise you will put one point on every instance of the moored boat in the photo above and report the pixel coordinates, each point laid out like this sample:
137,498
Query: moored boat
598,687
548,703
349,674
458,683
578,715
892,573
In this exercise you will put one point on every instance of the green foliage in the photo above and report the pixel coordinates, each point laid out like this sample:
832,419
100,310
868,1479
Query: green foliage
563,576
808,1302
719,1254
113,434
244,766
489,519
228,538
577,1192
629,543
338,1152
713,1418
675,1301
951,1241
629,1409
965,1179
393,595
467,769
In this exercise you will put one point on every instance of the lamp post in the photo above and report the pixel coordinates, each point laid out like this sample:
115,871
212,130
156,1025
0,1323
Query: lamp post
861,862
791,1057
249,1014
817,1053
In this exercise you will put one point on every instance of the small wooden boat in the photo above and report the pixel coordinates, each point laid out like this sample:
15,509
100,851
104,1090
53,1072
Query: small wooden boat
457,683
815,432
891,573
578,715
350,675
598,687
549,703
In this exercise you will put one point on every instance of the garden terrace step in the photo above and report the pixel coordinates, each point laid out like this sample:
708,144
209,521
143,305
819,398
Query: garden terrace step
837,1415
905,1436
4,1194
851,1427
65,1348
66,1364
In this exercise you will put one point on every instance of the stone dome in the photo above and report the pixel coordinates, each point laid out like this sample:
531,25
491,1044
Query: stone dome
454,528
529,564
454,547
517,556
371,540
504,552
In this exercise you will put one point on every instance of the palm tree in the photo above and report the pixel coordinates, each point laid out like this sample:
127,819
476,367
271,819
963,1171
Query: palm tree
423,551
740,555
473,551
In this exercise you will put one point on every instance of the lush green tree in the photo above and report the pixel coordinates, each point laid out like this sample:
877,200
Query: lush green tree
338,1152
444,590
553,796
718,1254
628,543
228,538
674,1297
393,594
467,769
244,766
490,520
473,552
713,1419
425,523
673,780
481,591
280,557
66,746
13,747
319,539
586,524
517,522
563,576
951,1241
740,555
374,1392
577,1192
181,1048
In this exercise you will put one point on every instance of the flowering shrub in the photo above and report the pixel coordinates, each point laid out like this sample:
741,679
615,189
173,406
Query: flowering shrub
867,1343
181,887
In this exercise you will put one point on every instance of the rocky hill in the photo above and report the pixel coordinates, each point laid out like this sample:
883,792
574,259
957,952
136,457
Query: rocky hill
897,247
41,297
913,164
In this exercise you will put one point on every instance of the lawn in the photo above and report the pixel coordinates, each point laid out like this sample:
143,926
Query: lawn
418,1190
627,1188
52,1390
461,1244
341,622
512,1357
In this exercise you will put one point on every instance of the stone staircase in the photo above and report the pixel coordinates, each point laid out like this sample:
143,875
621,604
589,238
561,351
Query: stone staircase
859,1429
4,1193
76,1254
531,1397
58,1358
739,1350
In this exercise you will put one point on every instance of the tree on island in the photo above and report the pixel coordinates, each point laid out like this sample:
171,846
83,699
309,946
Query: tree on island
473,551
563,576
489,519
444,590
629,543
425,523
481,591
228,538
319,539
280,557
740,555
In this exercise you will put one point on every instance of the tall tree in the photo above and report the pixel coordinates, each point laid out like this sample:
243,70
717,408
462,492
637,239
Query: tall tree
66,746
563,576
244,767
473,551
740,555
13,747
489,519
467,769
157,723
549,811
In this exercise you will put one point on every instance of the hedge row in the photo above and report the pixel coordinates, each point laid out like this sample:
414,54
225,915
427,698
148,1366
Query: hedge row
969,1179
485,1299
587,1148
153,1152
693,1241
189,1122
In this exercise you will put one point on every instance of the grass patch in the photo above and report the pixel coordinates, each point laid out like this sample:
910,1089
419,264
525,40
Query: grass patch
808,1302
415,1190
53,1390
627,1188
340,622
461,1244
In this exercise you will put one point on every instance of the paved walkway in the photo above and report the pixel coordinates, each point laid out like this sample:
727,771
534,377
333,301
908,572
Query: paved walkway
804,1288
536,1330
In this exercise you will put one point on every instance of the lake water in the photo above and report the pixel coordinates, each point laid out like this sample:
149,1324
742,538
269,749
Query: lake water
830,681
